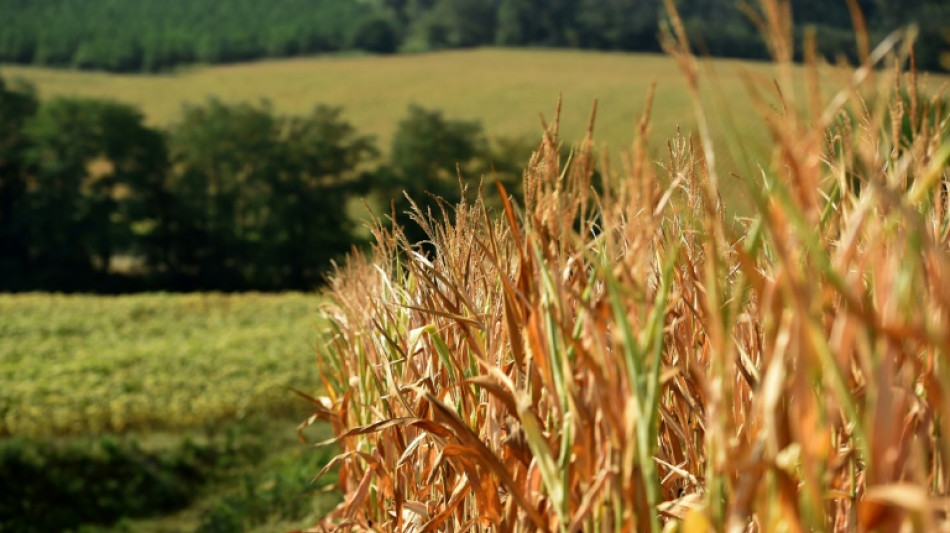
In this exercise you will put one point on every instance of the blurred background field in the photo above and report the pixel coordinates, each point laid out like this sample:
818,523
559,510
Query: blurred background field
74,364
505,90
119,408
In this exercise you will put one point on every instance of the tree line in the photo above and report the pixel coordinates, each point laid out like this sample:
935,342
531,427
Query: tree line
232,197
155,35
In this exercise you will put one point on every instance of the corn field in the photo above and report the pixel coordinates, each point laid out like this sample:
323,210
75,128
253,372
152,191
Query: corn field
620,354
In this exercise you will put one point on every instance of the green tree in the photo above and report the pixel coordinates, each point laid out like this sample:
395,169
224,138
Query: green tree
516,25
94,166
17,105
221,155
259,200
429,156
377,34
159,34
324,166
618,24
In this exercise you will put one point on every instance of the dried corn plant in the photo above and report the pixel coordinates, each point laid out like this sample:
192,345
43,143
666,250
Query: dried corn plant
628,358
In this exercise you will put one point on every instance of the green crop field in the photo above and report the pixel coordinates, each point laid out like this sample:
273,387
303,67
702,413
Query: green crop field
158,412
85,364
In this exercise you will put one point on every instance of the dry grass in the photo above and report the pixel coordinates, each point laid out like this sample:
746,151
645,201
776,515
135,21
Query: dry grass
628,358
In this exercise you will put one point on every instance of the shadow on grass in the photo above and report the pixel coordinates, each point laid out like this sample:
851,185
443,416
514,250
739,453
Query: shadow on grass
235,476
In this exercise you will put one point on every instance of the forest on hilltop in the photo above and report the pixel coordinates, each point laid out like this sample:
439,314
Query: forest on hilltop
157,35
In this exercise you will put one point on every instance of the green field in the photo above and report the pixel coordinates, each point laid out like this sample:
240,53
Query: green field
178,397
85,364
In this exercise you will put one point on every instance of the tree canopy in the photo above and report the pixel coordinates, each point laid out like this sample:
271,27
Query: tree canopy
153,35
232,197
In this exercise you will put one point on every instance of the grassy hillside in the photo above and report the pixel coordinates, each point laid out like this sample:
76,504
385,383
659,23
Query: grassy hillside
505,89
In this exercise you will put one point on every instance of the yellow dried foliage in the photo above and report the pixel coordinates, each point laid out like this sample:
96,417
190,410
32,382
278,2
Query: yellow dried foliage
623,356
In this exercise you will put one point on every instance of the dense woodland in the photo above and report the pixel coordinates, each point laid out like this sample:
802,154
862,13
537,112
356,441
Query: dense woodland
155,35
232,197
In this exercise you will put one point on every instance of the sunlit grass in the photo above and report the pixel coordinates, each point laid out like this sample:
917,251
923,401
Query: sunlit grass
85,364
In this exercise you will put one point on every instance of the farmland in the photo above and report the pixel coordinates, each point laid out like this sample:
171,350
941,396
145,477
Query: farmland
197,384
77,366
84,364
505,89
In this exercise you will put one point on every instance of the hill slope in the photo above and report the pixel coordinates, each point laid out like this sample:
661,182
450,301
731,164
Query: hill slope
505,89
